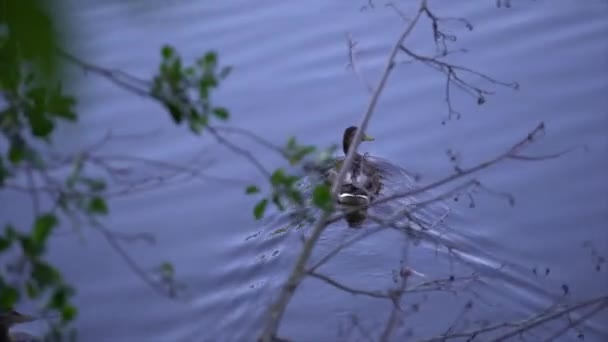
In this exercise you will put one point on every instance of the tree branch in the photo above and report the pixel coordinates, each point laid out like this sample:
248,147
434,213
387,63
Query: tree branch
277,309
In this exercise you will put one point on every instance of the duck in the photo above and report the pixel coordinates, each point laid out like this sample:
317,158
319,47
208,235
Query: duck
362,182
7,320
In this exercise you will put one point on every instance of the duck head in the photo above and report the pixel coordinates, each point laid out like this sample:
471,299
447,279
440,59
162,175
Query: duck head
349,136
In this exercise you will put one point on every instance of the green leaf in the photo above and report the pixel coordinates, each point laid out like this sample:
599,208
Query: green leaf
321,197
290,180
167,51
221,113
167,269
252,189
16,152
295,196
276,199
68,313
277,177
175,111
210,60
61,106
260,208
300,154
32,33
198,122
175,72
207,81
5,243
44,274
41,126
30,248
97,205
60,296
8,297
42,229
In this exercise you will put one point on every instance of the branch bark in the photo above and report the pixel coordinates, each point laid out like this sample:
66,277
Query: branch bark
277,309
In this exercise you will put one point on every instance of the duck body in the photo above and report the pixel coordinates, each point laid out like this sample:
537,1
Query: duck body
362,182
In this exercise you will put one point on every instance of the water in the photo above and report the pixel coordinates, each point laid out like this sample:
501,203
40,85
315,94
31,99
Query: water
290,78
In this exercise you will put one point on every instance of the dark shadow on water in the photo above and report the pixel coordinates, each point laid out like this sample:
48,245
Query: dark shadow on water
357,218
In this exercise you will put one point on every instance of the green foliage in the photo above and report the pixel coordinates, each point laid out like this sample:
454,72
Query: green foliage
167,269
221,113
252,189
295,153
8,296
42,229
185,91
321,197
43,280
285,186
166,273
31,34
97,205
260,208
284,189
32,104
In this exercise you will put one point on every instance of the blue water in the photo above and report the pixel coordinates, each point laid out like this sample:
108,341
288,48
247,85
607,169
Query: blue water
290,78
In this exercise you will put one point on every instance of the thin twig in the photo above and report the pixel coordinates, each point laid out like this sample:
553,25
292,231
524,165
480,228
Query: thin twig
277,309
395,312
534,323
240,151
120,78
132,264
523,325
578,321
512,151
452,73
349,289
352,63
260,140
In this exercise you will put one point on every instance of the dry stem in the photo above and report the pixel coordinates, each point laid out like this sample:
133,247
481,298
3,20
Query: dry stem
298,272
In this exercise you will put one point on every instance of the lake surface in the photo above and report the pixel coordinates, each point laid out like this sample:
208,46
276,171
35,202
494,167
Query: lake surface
290,78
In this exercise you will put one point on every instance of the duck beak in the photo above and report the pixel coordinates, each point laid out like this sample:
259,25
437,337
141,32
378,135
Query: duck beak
367,138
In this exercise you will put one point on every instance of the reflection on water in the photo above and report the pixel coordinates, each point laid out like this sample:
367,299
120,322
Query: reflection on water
289,78
355,218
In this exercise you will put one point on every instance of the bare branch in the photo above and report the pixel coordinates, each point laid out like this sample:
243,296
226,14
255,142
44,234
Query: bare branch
278,308
352,63
528,325
240,151
453,77
118,77
396,311
349,289
260,140
575,323
440,36
509,154
132,264
523,325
